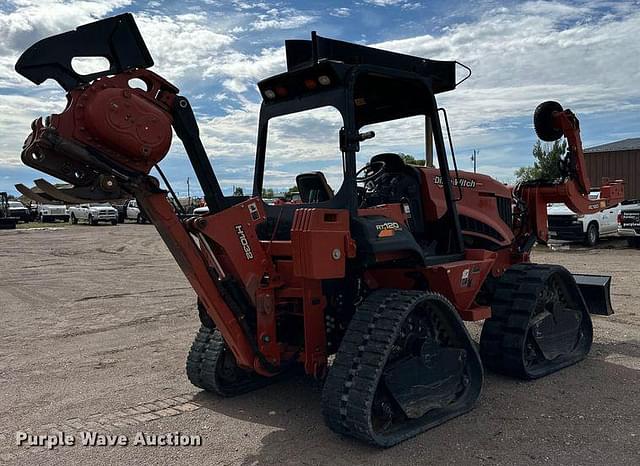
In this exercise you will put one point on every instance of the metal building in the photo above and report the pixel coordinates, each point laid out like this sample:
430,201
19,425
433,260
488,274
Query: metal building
616,160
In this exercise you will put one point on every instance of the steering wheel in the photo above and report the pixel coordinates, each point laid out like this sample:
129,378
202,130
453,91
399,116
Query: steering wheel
370,171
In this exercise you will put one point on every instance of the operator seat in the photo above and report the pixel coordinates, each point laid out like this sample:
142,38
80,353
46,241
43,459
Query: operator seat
313,187
400,183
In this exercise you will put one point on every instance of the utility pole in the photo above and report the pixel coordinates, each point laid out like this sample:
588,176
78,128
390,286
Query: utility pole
474,157
188,192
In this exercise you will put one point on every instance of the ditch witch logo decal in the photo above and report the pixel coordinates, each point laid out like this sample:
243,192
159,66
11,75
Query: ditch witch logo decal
462,182
244,242
388,229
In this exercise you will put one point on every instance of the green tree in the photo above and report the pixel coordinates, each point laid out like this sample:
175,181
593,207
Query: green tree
237,191
546,164
411,160
267,193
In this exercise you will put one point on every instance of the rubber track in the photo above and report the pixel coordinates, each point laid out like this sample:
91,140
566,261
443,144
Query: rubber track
504,334
202,361
350,387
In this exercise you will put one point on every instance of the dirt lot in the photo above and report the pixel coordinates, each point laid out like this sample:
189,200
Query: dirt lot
97,322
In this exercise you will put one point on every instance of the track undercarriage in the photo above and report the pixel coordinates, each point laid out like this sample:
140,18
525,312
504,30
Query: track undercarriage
540,323
407,364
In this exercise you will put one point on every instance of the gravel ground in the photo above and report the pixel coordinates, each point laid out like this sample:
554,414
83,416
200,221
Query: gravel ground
97,322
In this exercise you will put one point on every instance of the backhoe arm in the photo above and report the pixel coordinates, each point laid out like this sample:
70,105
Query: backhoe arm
108,139
552,122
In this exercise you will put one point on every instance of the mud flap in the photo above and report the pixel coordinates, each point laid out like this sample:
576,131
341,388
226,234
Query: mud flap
596,291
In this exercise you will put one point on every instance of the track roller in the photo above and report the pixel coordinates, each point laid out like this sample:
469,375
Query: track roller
540,323
212,367
406,364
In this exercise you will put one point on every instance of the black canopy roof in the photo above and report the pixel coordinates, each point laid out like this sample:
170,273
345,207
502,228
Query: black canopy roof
305,53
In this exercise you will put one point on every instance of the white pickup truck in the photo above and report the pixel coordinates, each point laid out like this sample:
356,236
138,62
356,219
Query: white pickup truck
52,212
131,211
564,224
93,213
629,222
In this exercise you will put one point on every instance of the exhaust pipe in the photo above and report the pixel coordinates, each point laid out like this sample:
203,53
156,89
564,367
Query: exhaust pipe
596,291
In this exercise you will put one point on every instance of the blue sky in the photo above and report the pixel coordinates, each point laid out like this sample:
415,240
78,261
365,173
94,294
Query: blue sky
585,54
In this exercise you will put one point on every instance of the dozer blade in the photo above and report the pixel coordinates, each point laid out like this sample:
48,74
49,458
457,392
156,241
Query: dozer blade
31,194
596,290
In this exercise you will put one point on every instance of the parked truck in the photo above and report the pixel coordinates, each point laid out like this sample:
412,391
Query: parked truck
52,212
129,210
132,211
629,222
7,222
18,210
564,224
93,213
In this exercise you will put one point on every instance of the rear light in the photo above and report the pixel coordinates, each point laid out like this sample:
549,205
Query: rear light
281,91
269,94
324,80
310,84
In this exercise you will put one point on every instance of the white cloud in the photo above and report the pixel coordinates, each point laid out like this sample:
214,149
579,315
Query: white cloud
404,4
235,85
240,71
340,12
385,2
183,46
411,6
33,19
277,18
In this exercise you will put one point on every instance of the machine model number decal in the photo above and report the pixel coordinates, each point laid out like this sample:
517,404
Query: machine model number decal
462,182
244,242
387,229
